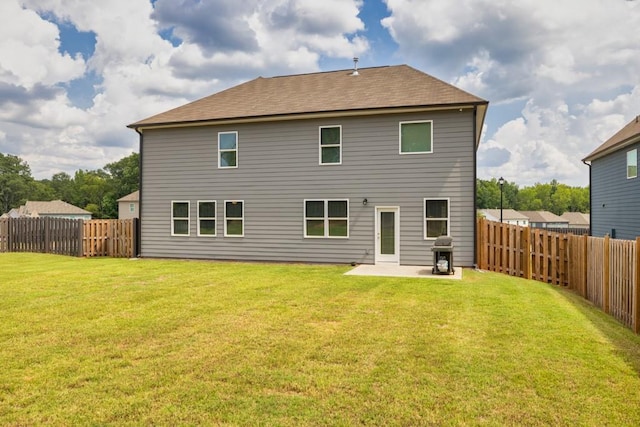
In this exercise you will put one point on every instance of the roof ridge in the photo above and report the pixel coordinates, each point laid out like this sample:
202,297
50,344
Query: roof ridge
331,71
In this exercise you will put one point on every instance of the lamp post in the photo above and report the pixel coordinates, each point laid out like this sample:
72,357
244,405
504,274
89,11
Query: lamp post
501,182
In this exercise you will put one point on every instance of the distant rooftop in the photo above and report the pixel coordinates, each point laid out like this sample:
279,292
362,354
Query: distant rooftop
543,216
576,218
51,208
507,214
132,197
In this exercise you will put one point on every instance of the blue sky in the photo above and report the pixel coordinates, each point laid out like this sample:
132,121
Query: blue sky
561,77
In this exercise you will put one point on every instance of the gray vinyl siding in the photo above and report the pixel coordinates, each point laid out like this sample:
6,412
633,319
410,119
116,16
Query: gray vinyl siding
278,167
615,200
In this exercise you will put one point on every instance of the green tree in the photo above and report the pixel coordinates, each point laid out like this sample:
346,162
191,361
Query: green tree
15,181
488,194
124,175
63,186
91,187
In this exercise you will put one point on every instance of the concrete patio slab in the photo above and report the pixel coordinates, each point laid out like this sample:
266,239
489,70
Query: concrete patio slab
390,270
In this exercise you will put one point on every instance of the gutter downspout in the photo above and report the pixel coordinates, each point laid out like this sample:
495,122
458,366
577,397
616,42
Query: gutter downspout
475,189
590,200
139,227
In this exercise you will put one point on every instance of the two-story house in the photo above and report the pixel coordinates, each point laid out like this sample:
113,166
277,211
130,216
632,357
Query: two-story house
366,166
614,184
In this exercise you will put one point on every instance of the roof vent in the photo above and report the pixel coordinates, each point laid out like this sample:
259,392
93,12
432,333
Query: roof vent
355,67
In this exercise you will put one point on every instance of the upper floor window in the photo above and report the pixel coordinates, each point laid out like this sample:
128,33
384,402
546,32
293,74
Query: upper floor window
206,218
416,137
436,218
234,218
179,218
330,145
132,207
227,149
326,218
632,163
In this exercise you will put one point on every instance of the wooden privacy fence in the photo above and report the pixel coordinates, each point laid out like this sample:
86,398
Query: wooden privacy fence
75,237
108,237
602,270
47,235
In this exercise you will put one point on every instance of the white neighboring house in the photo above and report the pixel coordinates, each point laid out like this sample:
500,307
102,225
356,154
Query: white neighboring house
509,216
53,209
129,206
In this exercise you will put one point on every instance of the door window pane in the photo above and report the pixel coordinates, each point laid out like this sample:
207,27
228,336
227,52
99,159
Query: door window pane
387,233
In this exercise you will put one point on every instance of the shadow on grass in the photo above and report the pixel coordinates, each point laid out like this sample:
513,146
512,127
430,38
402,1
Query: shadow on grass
624,340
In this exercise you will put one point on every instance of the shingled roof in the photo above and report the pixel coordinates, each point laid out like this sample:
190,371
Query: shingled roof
625,136
51,208
374,88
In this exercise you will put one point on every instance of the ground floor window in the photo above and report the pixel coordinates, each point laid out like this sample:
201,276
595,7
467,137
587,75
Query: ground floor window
436,218
326,218
207,218
180,218
234,218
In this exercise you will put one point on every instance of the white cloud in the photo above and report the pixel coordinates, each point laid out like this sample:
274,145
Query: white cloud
140,73
29,50
573,63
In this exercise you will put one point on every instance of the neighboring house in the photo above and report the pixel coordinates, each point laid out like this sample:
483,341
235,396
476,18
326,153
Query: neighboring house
366,166
545,219
614,184
577,220
129,206
13,213
509,216
54,209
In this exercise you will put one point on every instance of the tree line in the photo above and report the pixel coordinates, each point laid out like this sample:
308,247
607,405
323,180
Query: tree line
553,197
96,191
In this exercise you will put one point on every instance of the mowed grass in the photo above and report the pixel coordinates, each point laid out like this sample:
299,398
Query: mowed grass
169,342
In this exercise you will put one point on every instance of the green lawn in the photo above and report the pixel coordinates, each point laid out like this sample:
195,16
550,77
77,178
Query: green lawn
120,342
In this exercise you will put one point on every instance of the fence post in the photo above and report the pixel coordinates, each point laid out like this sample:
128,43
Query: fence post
478,241
605,281
526,242
585,269
636,291
80,229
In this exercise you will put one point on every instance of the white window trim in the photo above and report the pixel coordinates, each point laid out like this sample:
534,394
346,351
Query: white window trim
173,233
220,151
400,137
636,175
132,207
424,216
241,218
215,218
320,146
325,218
